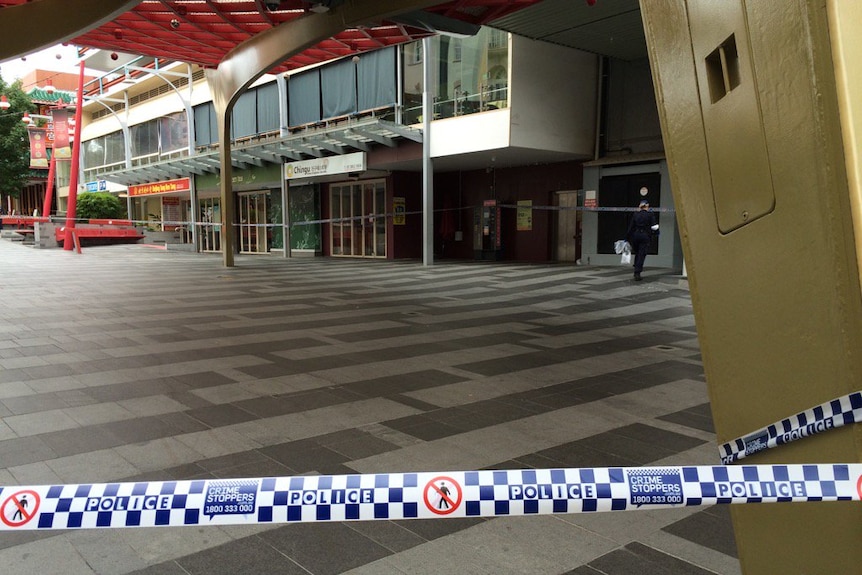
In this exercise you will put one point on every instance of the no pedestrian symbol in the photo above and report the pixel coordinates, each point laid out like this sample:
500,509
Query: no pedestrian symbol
442,495
19,508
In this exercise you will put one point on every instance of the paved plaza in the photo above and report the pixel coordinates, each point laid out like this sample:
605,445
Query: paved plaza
132,363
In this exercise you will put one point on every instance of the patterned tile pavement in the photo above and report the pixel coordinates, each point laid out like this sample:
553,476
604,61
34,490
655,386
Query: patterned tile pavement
135,363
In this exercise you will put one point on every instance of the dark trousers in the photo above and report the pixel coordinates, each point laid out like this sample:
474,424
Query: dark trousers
640,247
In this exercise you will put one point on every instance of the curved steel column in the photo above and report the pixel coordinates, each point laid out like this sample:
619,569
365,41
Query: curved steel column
30,27
254,57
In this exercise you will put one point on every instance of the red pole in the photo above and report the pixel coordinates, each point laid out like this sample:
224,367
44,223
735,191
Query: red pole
49,189
76,163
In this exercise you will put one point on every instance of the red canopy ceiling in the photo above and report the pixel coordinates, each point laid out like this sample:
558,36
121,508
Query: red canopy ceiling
203,31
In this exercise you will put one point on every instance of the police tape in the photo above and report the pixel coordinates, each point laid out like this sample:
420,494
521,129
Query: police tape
488,493
182,225
830,415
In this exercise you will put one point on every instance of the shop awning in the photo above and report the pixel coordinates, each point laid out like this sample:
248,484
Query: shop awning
314,142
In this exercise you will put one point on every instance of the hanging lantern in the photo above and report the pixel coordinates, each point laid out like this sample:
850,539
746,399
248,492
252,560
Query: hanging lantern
26,119
49,87
4,103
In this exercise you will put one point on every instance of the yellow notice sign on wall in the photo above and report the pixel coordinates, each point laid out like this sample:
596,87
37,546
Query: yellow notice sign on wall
399,206
525,215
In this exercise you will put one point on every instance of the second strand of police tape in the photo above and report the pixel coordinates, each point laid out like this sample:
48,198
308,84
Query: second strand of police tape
487,493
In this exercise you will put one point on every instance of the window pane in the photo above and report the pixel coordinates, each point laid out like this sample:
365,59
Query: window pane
376,79
115,152
203,131
338,89
245,116
145,139
474,73
304,98
174,132
94,152
267,108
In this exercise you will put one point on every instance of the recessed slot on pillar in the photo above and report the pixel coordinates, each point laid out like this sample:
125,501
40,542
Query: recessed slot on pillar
722,69
740,169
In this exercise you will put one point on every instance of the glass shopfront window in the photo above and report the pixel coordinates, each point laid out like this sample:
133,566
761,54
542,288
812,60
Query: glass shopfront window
358,211
470,75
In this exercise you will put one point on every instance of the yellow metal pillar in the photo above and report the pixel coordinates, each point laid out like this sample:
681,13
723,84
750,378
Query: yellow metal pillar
760,109
254,57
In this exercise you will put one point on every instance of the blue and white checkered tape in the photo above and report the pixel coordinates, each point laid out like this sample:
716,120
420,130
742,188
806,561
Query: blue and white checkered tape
490,493
830,415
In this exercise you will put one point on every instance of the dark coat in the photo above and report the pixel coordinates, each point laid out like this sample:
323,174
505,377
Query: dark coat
640,226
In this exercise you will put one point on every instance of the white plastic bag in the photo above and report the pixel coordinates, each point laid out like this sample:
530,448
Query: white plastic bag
621,246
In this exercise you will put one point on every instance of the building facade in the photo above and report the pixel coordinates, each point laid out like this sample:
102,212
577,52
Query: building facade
537,151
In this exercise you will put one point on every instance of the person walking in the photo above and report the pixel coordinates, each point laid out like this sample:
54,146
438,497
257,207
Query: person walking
641,229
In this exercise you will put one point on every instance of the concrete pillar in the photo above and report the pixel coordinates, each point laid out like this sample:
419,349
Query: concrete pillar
761,131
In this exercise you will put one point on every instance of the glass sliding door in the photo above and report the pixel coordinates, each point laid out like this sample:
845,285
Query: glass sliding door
253,228
209,226
358,213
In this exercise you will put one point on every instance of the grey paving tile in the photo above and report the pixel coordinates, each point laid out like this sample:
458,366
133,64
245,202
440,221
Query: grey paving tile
270,468
202,379
46,371
75,398
82,440
271,406
220,415
304,456
470,417
422,426
499,410
412,402
710,528
16,538
225,462
348,547
24,450
186,471
512,363
133,389
638,443
167,568
403,383
674,442
644,560
358,445
430,530
92,467
699,417
584,570
40,422
576,454
279,367
250,555
189,399
39,350
139,429
388,534
181,422
32,403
